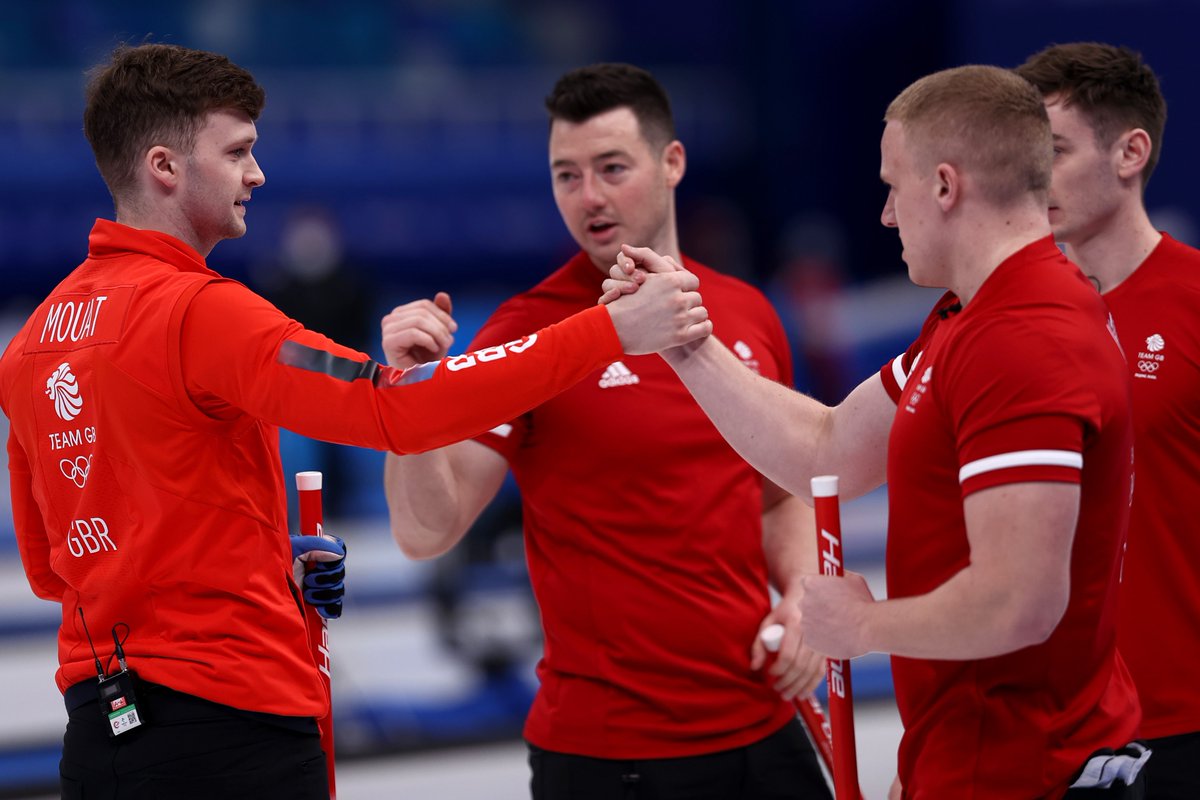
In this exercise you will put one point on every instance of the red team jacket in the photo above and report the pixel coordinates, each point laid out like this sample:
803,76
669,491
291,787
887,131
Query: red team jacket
1024,384
144,395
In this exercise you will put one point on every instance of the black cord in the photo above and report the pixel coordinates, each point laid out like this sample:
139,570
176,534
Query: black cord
96,658
118,650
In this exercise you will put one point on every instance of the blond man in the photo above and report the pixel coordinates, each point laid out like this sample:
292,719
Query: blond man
1004,434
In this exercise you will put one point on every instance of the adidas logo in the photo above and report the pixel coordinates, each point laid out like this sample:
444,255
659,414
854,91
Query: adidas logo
617,374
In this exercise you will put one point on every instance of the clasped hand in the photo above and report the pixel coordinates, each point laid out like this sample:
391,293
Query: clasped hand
654,302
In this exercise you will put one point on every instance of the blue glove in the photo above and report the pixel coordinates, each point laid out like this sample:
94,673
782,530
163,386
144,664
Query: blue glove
322,582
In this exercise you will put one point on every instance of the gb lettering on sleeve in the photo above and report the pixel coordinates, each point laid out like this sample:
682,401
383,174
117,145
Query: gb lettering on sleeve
487,354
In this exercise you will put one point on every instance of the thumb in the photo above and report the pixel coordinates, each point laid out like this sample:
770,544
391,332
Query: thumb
768,641
442,301
649,260
758,655
317,548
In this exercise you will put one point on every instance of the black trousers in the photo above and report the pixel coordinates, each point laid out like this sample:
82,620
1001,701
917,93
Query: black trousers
782,766
1173,772
188,749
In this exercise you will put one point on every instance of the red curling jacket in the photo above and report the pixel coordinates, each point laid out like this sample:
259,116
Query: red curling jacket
144,395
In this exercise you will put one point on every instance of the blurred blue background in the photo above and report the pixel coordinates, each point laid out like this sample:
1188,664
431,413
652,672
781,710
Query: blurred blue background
404,147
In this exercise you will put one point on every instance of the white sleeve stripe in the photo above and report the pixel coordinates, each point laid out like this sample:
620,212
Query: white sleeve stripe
1021,458
898,369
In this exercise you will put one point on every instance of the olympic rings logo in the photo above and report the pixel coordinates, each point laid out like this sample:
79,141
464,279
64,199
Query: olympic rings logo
76,471
1148,366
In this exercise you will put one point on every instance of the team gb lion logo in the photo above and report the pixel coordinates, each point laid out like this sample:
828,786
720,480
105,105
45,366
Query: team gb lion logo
63,389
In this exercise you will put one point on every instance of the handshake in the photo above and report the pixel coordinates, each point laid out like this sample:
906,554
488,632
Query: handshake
653,302
651,299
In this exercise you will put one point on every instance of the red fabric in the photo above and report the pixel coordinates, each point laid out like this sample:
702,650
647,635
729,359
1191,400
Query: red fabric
1160,598
1027,368
644,541
145,472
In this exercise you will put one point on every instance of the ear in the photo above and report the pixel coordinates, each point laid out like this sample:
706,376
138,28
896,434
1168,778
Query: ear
162,165
1132,153
947,185
674,159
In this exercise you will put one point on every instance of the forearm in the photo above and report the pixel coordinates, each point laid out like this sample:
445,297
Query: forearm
422,529
776,429
433,498
241,355
787,436
968,617
469,394
1011,594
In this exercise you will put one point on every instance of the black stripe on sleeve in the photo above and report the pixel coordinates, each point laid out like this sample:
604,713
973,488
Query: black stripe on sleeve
294,354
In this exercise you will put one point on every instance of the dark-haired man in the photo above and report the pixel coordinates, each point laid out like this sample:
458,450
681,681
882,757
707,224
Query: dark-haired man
1107,115
649,541
144,395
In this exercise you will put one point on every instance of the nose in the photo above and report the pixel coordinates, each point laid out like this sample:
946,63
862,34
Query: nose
254,175
888,217
593,195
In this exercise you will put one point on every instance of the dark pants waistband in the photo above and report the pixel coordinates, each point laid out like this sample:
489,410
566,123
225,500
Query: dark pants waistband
81,694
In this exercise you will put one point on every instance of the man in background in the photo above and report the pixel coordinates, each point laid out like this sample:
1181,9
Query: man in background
1107,115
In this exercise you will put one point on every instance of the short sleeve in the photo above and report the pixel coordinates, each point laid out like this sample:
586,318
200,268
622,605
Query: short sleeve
1021,409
